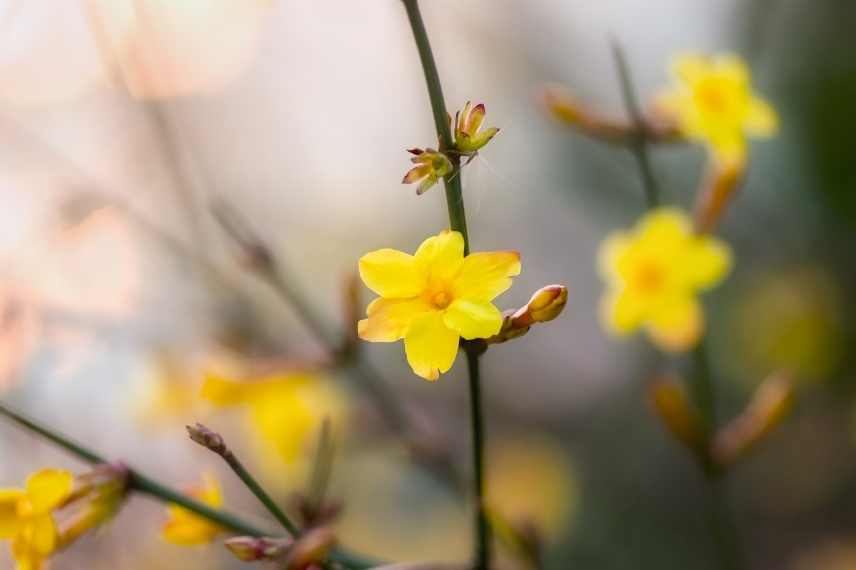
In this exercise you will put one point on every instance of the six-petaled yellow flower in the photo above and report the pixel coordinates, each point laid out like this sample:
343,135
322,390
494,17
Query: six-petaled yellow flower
655,273
434,298
431,166
186,528
714,102
286,408
26,516
469,137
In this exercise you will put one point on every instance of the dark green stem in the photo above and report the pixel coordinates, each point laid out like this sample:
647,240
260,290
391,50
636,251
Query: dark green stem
638,143
482,531
452,182
147,486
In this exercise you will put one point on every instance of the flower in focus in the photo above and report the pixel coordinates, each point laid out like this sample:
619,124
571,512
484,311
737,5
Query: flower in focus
434,298
654,274
431,166
713,102
26,516
468,139
185,528
286,408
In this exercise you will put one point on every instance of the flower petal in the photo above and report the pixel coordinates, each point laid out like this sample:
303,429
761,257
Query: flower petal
389,318
47,488
612,256
486,275
475,119
391,273
690,68
440,257
417,173
761,119
707,261
10,522
677,324
42,534
430,346
622,312
473,319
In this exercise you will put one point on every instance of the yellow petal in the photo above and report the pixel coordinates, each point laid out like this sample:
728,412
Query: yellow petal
473,319
733,69
24,553
612,256
47,488
430,345
677,324
665,226
486,275
42,534
622,312
389,318
761,119
222,391
391,273
708,260
690,68
10,521
440,257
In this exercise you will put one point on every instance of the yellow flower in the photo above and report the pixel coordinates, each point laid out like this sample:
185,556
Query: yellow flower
186,528
714,103
431,166
286,408
434,298
26,516
468,139
655,273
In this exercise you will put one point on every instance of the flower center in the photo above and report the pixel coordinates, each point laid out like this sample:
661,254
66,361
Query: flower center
441,299
650,277
713,97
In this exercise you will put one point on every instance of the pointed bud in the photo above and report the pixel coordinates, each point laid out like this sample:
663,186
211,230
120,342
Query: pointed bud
431,165
207,438
468,136
312,547
98,497
769,407
254,549
545,305
718,188
679,417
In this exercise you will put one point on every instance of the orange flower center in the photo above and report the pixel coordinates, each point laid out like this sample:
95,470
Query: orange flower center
650,277
712,97
441,299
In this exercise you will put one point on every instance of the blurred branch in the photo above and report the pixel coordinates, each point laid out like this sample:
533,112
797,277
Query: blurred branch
143,484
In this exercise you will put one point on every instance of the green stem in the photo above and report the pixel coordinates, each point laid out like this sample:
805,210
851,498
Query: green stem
482,531
452,182
638,143
147,486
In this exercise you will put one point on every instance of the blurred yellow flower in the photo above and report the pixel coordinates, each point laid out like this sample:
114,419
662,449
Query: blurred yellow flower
434,298
286,408
431,166
468,139
654,274
26,516
185,528
714,102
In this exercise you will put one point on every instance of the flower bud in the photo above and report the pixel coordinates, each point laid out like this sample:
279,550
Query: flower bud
254,549
431,165
770,405
312,547
98,497
679,417
207,438
545,305
468,136
721,182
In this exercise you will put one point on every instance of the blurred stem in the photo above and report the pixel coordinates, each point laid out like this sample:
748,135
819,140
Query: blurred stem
638,142
457,222
142,484
452,182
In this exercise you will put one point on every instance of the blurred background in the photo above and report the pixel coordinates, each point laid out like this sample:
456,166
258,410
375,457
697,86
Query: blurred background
122,121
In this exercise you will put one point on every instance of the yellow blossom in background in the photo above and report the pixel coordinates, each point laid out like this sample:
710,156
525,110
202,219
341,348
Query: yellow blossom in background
431,166
434,298
186,528
468,136
26,516
713,102
654,274
286,408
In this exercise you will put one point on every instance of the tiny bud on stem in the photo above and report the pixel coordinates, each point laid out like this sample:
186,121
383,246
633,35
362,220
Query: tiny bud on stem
208,439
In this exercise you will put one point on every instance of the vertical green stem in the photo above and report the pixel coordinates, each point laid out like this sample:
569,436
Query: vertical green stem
457,222
481,530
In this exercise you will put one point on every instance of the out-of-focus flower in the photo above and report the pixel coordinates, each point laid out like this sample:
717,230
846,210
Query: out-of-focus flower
654,274
669,401
434,298
26,516
789,319
431,166
838,554
186,528
254,549
469,137
713,102
96,499
287,408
